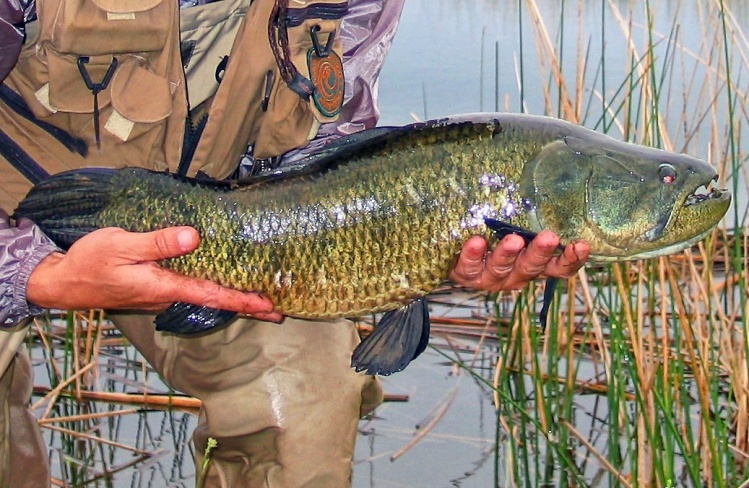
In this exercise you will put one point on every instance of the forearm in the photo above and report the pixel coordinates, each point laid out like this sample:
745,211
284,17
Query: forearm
22,247
114,269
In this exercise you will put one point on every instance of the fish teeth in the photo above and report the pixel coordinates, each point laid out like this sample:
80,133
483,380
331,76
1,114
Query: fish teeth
704,192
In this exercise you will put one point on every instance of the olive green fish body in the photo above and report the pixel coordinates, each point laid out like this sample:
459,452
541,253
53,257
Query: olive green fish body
370,234
375,221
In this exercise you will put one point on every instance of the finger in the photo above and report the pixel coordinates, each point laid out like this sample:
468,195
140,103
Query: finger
177,288
160,244
269,317
570,261
533,260
470,263
501,261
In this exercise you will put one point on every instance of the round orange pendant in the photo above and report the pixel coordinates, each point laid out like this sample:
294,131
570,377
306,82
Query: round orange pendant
326,73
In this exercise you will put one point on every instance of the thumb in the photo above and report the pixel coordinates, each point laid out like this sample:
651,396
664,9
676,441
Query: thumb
164,243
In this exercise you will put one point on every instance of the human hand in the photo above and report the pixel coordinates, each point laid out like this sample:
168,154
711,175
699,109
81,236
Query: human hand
114,269
511,265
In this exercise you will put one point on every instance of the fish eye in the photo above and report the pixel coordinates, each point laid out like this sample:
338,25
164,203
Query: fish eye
667,173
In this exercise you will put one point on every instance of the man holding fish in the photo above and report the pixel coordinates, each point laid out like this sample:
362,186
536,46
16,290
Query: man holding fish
282,400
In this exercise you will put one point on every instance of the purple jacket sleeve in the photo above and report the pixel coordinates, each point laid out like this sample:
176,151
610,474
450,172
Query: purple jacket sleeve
11,34
367,33
21,248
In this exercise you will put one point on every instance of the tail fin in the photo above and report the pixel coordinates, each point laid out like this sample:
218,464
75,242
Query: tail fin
65,205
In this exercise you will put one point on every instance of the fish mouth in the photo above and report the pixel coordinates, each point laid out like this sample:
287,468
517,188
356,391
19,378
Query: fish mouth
706,193
688,223
700,210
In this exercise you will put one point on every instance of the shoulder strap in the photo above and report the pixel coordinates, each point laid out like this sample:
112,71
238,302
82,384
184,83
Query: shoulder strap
266,96
20,159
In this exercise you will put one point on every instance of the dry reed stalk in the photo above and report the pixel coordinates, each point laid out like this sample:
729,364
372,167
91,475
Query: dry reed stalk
644,475
601,459
75,347
583,386
152,400
89,343
144,399
440,412
500,366
732,355
665,340
87,417
548,53
645,66
530,354
470,364
597,329
102,440
52,395
47,347
701,375
567,342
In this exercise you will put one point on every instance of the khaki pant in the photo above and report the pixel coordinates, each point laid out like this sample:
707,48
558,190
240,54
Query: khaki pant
23,455
281,399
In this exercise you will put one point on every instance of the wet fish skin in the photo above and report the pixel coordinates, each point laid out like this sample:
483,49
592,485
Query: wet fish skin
358,239
384,225
380,218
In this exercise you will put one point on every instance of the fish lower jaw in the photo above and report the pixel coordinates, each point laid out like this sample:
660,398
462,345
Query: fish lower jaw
663,251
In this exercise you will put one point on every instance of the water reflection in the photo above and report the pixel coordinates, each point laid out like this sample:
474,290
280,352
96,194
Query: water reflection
443,59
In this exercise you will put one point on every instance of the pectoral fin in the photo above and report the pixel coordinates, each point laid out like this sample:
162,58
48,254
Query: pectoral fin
398,338
551,284
502,229
184,318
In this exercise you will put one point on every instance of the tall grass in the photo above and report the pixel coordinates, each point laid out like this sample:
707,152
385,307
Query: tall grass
98,430
663,340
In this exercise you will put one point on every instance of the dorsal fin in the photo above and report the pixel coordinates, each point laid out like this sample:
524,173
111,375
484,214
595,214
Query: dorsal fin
327,157
362,144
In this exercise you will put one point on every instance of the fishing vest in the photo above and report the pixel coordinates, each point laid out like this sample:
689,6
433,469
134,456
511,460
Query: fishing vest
118,83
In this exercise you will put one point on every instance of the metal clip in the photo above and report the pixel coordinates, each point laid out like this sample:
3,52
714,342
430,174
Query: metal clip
321,52
95,88
269,76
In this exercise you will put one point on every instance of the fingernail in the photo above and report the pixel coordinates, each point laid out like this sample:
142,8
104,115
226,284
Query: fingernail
574,251
271,306
186,240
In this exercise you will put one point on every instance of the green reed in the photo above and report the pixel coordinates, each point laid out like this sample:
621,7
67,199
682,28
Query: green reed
663,341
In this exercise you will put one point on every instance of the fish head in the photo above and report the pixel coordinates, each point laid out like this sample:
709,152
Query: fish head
627,201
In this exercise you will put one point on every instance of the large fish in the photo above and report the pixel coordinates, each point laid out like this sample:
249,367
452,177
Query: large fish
376,220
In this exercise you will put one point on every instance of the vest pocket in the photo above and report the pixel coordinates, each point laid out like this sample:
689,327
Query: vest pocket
132,114
94,27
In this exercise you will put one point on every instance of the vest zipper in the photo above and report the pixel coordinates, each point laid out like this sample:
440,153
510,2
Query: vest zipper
193,131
